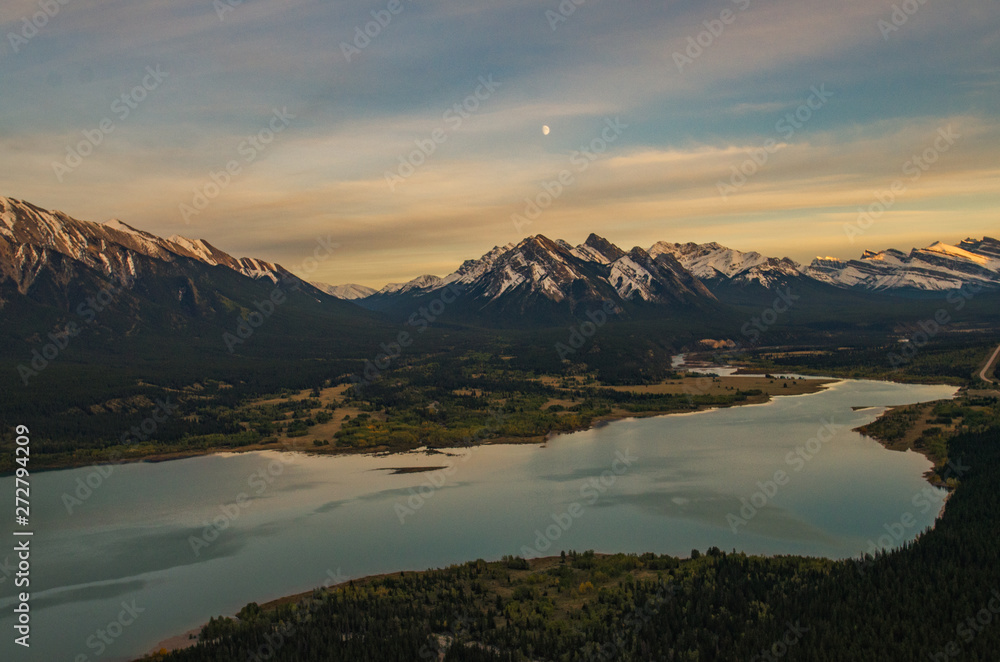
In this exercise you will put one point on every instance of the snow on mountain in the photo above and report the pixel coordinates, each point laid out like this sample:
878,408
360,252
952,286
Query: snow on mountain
201,250
537,265
558,270
713,261
597,249
630,278
937,267
348,292
471,270
256,268
30,238
986,247
425,282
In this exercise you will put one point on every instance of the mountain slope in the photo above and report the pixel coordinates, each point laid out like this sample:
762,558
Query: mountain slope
714,262
29,235
125,287
937,267
348,292
541,281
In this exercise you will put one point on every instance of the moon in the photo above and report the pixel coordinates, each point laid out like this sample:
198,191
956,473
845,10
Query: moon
545,130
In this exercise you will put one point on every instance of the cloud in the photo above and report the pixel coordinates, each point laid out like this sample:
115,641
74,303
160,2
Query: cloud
355,120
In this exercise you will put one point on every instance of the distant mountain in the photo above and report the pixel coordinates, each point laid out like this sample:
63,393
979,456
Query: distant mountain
54,261
539,280
31,237
713,262
119,283
419,284
938,267
935,268
348,292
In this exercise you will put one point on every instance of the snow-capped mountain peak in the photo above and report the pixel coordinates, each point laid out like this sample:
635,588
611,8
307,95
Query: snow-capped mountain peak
597,249
957,253
539,269
713,261
347,292
425,282
937,267
111,247
536,264
199,248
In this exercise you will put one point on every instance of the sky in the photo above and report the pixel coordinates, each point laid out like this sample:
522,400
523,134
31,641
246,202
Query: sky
410,132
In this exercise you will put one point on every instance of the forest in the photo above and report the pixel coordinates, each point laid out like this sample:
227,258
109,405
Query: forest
434,400
97,407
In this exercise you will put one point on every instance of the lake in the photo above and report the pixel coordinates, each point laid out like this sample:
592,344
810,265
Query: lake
153,549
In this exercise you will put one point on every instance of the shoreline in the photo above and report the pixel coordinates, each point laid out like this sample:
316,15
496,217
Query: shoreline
185,640
909,438
893,446
805,387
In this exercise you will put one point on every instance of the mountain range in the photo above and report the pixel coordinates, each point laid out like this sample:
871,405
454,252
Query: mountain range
671,273
52,260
